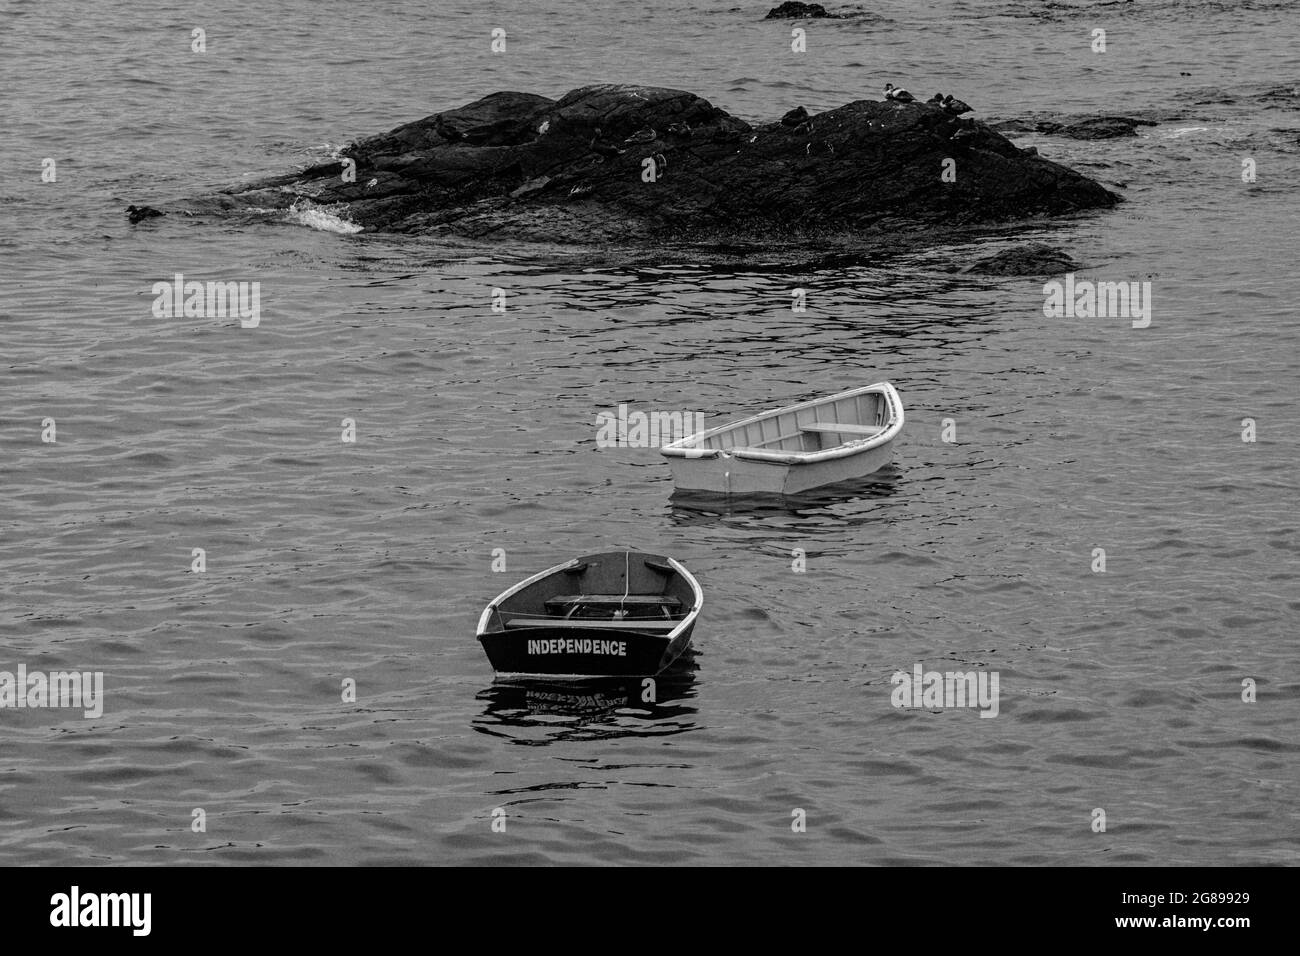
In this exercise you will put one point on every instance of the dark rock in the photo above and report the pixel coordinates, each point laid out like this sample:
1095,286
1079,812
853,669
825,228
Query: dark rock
531,186
797,11
523,166
1104,127
1085,127
602,148
136,214
1034,259
498,119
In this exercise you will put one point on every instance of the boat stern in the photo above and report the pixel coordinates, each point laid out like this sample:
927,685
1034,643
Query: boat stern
575,652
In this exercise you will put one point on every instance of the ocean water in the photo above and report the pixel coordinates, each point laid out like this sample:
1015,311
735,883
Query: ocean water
1119,690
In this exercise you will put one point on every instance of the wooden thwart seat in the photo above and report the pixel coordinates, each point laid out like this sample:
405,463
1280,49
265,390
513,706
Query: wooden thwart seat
627,624
614,600
842,428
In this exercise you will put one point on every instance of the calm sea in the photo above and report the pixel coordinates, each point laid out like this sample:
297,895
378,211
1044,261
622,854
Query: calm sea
1119,690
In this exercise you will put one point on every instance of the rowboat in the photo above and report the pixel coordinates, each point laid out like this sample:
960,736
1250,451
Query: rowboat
789,450
614,613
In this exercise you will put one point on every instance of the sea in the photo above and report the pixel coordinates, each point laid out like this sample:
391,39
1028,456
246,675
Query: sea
1102,513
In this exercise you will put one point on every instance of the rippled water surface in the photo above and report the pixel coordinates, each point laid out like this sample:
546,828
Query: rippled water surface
1119,690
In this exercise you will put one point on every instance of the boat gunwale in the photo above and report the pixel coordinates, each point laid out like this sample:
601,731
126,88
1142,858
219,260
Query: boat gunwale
688,620
686,447
485,617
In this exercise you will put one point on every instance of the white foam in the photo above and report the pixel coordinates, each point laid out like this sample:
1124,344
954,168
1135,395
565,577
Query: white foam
324,218
302,189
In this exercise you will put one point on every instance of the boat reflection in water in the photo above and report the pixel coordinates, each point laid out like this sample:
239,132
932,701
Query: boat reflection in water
537,711
854,502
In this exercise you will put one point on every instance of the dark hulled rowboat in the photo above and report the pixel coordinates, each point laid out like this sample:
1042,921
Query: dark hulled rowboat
615,613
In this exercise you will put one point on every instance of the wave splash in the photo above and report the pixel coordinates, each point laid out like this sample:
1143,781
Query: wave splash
325,218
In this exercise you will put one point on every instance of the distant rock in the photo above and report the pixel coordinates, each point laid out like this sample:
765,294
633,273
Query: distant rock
1033,259
1103,127
1086,127
522,166
793,10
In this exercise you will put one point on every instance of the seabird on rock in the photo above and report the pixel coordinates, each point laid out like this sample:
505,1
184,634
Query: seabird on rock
955,107
893,92
796,117
604,150
679,129
936,100
641,137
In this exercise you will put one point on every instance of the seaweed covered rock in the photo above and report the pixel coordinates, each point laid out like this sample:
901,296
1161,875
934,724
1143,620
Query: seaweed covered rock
793,10
631,163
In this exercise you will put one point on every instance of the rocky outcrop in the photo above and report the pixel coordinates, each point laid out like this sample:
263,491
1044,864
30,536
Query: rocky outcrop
1032,259
1077,127
619,163
793,10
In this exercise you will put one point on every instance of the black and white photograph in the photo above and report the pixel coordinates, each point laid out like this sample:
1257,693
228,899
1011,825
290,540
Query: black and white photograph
650,435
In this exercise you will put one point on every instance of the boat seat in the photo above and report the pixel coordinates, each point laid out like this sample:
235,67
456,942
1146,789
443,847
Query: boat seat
633,624
766,445
843,428
613,600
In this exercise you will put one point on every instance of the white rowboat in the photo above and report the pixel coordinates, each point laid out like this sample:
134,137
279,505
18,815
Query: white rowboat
789,450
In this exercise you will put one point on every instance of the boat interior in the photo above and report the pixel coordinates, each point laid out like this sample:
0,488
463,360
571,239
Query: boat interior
614,591
818,428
